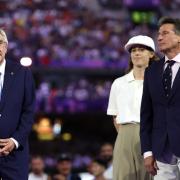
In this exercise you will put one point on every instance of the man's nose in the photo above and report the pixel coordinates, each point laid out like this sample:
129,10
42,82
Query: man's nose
160,37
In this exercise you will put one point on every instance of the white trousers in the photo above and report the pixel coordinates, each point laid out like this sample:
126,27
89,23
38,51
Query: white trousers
168,171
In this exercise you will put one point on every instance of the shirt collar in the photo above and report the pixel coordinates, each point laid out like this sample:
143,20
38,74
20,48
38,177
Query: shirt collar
176,58
130,76
2,67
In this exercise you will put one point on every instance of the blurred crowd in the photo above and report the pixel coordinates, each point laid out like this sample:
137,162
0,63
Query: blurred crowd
80,95
74,34
65,166
65,33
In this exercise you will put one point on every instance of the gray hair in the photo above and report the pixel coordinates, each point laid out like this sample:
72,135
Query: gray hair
3,35
170,20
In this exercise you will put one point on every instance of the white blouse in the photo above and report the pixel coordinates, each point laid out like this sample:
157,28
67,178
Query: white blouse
125,99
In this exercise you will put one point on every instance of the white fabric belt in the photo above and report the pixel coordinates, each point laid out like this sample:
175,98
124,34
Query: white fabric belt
132,122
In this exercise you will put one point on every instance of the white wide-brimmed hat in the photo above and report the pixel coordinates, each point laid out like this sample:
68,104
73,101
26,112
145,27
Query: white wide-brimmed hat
140,40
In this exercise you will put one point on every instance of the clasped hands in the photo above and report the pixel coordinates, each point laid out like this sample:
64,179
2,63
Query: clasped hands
6,146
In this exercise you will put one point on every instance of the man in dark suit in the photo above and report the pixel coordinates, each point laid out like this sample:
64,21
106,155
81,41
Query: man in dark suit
160,107
17,98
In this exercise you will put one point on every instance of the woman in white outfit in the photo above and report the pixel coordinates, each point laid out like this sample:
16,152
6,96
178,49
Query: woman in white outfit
124,106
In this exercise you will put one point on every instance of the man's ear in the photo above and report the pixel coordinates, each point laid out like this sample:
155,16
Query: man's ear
6,46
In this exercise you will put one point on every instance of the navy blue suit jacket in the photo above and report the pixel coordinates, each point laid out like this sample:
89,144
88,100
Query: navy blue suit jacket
160,117
16,118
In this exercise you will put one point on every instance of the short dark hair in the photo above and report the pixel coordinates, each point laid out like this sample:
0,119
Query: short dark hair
101,162
170,20
64,157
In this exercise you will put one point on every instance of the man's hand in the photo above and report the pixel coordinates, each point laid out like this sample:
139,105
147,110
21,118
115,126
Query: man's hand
6,146
151,165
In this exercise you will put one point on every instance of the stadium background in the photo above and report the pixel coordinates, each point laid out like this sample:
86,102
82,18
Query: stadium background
76,47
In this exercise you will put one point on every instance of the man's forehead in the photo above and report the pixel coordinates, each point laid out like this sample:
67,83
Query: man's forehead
166,27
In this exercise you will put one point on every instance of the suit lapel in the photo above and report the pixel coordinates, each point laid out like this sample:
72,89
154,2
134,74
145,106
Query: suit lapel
160,76
175,84
8,79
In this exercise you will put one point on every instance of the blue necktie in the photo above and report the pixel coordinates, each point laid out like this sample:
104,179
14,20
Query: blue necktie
167,77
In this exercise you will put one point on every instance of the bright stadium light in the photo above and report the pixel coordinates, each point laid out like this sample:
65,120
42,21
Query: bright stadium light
26,61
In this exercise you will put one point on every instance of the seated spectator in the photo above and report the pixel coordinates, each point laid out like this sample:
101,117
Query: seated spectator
97,168
64,168
37,169
106,153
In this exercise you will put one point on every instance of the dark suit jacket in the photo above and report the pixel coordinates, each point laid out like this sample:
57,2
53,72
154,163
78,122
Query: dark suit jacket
160,117
16,117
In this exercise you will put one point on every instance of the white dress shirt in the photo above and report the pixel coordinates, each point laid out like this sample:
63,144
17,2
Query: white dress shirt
125,99
33,176
2,71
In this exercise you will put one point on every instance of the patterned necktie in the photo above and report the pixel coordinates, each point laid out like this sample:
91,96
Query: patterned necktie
0,84
167,77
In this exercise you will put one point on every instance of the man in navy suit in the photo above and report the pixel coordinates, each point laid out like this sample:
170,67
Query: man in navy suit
160,107
17,98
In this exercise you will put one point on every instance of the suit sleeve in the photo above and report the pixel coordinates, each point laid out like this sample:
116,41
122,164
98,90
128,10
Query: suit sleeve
146,117
27,113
